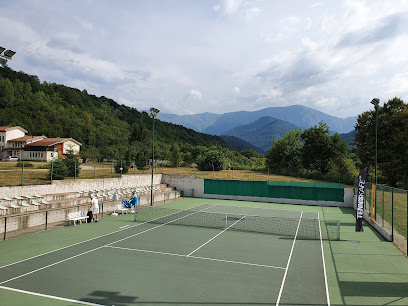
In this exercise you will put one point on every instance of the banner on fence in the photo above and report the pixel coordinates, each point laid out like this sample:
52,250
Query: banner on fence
360,200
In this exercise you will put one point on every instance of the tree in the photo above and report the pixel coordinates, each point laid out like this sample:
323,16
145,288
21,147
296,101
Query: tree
175,155
285,154
6,93
392,145
317,148
212,160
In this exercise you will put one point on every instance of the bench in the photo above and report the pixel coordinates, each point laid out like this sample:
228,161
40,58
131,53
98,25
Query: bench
121,208
77,216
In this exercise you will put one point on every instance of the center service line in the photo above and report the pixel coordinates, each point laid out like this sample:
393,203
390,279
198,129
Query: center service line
290,257
214,237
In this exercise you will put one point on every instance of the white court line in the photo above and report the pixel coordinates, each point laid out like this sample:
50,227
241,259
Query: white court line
69,258
197,257
68,246
50,296
324,262
266,208
287,266
214,237
125,226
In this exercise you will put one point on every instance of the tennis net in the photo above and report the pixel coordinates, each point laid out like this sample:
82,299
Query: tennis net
307,229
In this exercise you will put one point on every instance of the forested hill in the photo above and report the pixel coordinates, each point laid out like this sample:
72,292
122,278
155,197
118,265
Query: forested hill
105,128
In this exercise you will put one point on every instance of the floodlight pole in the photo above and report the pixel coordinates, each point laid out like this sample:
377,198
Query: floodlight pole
153,114
375,102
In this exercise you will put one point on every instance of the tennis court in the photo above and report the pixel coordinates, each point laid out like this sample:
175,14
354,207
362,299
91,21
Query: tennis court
191,252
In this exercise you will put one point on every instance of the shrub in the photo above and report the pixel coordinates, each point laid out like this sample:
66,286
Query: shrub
26,164
59,170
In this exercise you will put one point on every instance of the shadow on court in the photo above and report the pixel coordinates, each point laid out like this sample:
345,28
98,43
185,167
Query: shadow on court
110,298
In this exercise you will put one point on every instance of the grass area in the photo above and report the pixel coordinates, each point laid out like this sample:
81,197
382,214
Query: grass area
10,175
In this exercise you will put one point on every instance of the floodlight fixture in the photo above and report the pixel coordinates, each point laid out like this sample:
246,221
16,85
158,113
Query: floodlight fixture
154,112
375,102
4,57
9,53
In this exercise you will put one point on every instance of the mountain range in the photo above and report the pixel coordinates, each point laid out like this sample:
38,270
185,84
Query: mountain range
257,129
299,115
261,132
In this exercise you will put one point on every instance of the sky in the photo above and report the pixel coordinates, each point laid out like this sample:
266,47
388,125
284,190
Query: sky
196,56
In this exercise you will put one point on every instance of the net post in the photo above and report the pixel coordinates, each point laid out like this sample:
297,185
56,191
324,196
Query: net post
338,230
226,221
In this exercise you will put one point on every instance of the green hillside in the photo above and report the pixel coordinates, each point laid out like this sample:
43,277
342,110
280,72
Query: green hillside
105,128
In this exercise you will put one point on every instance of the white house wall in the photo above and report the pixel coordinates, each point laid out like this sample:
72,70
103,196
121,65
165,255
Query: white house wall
70,145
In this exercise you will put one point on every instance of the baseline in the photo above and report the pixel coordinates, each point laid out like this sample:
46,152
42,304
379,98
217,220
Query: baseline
49,296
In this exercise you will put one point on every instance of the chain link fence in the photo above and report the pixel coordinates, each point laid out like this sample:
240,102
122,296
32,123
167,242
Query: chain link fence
388,208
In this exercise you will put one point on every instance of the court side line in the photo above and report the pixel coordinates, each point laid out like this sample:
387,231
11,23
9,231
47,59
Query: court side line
324,263
197,257
71,245
214,237
290,257
80,254
50,296
259,207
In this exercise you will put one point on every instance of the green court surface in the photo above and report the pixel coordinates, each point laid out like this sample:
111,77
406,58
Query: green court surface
118,261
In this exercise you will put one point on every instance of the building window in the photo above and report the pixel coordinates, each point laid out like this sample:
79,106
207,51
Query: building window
41,155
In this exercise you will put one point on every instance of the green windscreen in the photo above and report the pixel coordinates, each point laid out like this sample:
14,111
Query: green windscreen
282,190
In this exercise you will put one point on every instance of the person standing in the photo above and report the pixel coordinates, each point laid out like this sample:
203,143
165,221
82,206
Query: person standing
95,208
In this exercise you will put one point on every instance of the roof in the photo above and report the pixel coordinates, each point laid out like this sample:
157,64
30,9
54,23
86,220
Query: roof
28,138
9,128
51,141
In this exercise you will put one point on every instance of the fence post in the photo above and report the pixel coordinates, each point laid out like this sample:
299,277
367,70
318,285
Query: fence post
46,219
213,171
121,168
112,168
95,169
5,227
392,215
268,173
253,174
22,175
383,212
407,223
52,168
75,165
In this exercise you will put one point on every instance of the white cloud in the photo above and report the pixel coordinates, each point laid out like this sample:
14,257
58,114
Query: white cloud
194,95
219,56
